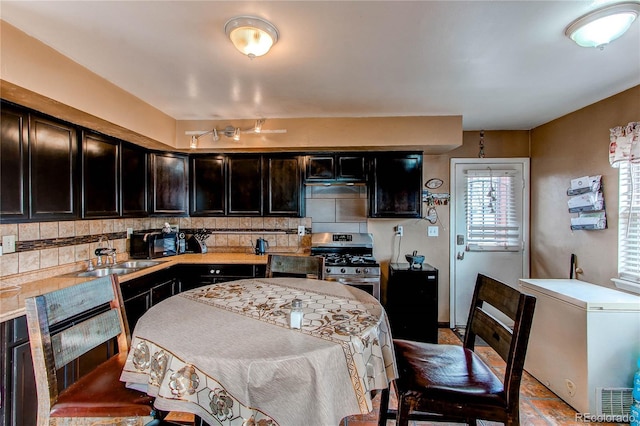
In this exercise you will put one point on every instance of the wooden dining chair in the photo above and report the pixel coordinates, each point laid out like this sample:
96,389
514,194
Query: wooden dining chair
64,325
295,266
450,382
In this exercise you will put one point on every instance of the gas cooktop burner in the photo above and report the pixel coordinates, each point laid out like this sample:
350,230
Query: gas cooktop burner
343,259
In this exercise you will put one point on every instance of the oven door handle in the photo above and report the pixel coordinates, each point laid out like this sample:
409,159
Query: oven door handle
358,280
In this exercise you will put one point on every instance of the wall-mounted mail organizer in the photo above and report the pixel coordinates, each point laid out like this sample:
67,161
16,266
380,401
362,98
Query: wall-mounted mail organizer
587,200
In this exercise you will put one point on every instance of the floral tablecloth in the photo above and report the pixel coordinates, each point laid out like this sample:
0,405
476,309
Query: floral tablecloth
226,353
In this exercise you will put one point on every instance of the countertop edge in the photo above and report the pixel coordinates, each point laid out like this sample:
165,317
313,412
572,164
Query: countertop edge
12,296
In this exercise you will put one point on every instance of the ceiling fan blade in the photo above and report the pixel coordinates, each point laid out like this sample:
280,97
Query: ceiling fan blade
274,131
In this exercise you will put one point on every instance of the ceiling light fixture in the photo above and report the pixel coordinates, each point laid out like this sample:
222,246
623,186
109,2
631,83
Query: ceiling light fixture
251,35
601,26
229,132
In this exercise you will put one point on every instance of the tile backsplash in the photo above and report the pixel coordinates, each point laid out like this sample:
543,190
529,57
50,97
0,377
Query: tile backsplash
50,248
337,208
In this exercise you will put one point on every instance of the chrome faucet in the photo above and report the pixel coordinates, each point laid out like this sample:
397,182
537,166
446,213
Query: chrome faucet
107,251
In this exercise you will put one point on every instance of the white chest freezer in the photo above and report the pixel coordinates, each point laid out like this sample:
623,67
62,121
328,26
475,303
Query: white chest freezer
585,340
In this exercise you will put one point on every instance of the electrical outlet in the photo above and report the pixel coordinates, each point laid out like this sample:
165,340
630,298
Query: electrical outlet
129,232
8,244
301,230
432,231
399,230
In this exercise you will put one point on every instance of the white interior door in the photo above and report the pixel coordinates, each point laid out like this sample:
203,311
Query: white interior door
490,226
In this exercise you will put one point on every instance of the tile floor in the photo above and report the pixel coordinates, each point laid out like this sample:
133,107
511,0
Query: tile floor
538,405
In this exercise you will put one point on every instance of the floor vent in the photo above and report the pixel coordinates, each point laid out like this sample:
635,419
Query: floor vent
613,401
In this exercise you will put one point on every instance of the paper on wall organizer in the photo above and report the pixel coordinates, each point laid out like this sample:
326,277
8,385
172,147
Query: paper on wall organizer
586,202
591,220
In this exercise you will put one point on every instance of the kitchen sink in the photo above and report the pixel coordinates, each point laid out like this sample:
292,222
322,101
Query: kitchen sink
101,272
121,268
137,264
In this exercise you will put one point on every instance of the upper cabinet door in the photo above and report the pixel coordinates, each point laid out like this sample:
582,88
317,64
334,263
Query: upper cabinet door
341,167
244,185
169,180
320,168
207,185
283,186
13,166
351,168
100,184
134,178
52,147
396,185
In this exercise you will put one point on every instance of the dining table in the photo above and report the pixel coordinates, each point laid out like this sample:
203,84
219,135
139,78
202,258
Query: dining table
227,353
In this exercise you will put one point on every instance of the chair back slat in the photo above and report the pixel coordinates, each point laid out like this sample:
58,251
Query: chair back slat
70,301
492,331
498,295
79,339
295,266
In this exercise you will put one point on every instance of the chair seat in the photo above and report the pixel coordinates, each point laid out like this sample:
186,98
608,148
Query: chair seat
446,372
100,393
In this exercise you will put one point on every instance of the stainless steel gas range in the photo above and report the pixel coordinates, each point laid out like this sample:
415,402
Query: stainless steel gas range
348,259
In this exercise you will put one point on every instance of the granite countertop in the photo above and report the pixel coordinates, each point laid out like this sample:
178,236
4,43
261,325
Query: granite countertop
12,296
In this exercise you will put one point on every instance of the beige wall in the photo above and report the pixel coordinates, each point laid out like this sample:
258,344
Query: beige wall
389,249
569,147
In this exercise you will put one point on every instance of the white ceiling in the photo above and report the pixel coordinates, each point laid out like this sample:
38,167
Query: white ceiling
502,65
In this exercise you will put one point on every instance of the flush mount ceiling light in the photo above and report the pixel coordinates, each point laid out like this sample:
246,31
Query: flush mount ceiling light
602,26
251,35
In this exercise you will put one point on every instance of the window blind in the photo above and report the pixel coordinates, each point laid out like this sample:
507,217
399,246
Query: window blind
491,211
629,223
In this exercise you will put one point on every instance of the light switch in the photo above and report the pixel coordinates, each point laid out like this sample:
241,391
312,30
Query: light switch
432,231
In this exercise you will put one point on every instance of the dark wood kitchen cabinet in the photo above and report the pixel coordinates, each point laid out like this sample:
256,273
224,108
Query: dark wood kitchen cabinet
134,178
53,157
396,185
342,167
142,293
100,176
207,190
194,276
244,185
169,182
14,188
283,186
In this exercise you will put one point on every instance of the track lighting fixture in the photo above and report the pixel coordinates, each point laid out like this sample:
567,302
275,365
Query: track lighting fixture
230,132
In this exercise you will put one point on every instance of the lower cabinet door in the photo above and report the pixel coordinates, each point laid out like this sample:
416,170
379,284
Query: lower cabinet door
135,307
24,400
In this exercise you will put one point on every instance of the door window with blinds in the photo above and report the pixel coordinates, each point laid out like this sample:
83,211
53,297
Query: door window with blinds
491,215
629,223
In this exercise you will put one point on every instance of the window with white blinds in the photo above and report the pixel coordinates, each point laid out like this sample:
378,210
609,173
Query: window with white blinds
629,223
491,211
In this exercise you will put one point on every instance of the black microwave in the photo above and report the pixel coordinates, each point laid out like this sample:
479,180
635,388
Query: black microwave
149,245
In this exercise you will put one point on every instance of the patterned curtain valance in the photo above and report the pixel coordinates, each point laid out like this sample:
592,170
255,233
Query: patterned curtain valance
624,144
